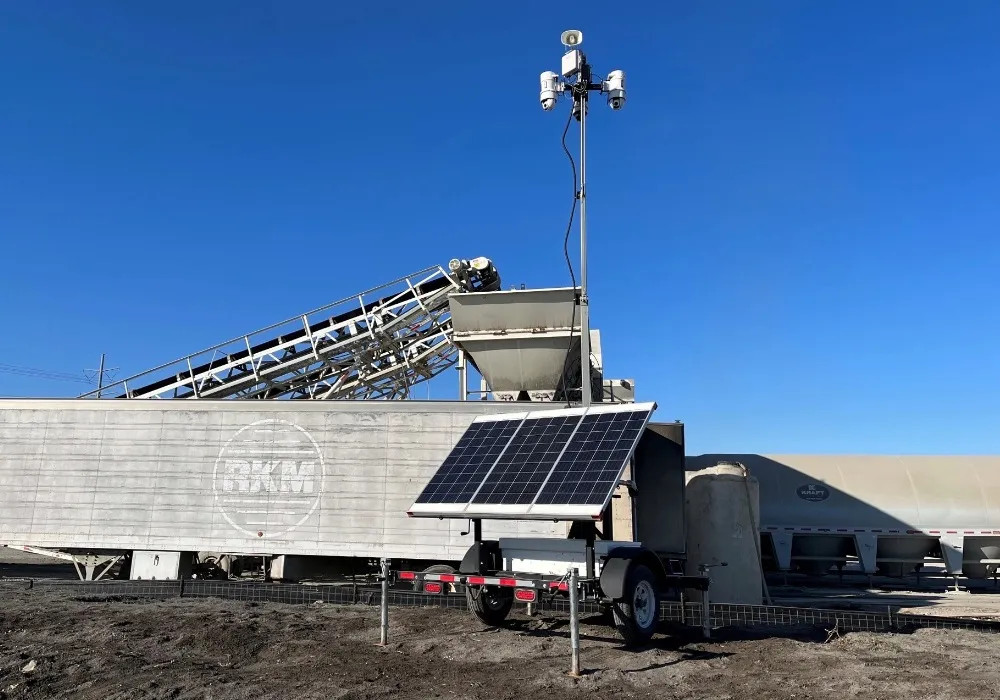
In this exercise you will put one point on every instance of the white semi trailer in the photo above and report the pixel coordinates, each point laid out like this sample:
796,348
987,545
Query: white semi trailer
159,481
891,514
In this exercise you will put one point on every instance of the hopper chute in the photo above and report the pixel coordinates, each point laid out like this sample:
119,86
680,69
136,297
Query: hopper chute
524,342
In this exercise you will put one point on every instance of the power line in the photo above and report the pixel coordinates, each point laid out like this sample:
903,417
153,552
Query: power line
43,373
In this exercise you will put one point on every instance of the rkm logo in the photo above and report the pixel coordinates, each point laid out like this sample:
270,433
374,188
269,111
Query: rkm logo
268,478
277,476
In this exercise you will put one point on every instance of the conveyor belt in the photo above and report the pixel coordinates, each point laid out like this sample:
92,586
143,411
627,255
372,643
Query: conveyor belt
350,349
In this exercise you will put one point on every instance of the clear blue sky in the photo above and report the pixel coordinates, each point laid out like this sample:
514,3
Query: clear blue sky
795,221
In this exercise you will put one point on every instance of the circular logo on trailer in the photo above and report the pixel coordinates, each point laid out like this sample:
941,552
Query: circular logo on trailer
813,492
268,478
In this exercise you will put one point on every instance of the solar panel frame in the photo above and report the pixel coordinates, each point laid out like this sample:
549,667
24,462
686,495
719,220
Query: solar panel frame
613,460
516,510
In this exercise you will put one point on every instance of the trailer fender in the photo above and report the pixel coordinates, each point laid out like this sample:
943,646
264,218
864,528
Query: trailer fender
482,558
614,572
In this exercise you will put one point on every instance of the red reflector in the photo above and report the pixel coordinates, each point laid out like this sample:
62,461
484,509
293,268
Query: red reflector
450,578
508,582
525,594
475,580
409,575
432,587
561,585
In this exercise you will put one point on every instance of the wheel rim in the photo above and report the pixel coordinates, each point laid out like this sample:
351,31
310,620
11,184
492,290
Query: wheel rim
644,604
492,599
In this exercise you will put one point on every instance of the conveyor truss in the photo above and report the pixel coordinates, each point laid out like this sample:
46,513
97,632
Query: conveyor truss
375,345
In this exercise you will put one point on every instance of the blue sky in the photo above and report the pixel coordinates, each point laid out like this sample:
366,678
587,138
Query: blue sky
794,221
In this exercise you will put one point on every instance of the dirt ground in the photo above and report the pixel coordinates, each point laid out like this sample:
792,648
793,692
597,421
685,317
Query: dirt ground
189,648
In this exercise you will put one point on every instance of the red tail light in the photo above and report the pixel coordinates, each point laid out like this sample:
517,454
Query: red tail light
432,587
525,595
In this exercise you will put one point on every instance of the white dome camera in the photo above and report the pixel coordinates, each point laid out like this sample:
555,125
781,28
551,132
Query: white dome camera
550,89
614,86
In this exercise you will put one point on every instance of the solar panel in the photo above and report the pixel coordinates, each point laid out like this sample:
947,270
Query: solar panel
594,459
464,469
528,459
562,464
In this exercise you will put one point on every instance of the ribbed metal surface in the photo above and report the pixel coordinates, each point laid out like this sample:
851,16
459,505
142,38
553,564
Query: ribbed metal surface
276,477
872,491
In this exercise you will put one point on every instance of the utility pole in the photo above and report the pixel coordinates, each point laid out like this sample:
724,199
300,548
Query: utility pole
99,375
575,65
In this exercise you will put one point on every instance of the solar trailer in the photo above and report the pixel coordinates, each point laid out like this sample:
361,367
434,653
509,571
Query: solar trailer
567,465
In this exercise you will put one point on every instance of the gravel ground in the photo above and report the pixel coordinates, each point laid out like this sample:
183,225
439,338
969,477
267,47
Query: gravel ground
188,648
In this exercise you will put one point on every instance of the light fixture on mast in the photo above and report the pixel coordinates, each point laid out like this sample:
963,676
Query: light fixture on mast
553,86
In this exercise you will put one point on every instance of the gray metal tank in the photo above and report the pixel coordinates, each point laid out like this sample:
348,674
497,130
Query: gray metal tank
889,511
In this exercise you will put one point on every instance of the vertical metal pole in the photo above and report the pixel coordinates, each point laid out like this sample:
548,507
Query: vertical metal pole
585,396
385,603
706,615
100,377
574,621
463,377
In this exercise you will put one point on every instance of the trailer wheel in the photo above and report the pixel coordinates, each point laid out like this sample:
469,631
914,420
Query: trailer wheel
491,604
638,613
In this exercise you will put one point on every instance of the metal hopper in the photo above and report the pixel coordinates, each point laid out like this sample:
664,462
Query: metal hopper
524,342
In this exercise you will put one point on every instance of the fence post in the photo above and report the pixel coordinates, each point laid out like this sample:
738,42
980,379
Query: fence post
706,615
384,603
574,621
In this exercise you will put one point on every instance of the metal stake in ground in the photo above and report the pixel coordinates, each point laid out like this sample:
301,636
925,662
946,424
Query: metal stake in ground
385,603
574,621
706,614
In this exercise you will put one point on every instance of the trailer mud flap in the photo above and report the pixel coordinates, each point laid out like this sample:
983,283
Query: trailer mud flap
613,575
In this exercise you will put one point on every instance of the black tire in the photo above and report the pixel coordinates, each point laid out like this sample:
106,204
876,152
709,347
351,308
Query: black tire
491,604
436,569
637,615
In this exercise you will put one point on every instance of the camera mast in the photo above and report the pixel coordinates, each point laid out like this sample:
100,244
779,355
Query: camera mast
576,79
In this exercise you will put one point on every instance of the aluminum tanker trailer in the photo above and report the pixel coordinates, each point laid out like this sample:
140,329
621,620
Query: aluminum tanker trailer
892,513
92,481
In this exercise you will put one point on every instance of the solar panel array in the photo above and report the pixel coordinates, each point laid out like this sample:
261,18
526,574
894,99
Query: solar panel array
562,464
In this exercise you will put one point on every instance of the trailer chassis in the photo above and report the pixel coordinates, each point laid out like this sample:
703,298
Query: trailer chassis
623,577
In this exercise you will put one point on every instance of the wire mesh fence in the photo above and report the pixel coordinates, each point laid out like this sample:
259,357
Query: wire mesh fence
689,613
